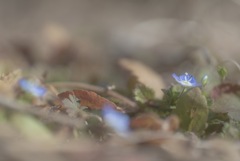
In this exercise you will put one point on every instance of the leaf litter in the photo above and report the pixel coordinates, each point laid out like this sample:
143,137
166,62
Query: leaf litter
89,123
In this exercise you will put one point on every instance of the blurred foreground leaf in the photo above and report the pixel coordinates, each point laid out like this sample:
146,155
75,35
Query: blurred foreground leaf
31,127
2,116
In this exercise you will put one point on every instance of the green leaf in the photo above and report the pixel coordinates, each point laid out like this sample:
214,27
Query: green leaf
231,130
31,127
222,72
192,110
96,128
204,80
143,94
216,122
171,95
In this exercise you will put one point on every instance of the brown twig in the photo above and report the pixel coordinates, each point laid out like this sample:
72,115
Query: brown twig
97,89
54,117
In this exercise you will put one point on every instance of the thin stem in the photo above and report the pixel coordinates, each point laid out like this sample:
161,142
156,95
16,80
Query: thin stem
183,89
94,88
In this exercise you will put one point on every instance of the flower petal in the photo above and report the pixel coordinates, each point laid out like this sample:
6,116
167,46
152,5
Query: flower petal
186,79
118,121
32,88
176,77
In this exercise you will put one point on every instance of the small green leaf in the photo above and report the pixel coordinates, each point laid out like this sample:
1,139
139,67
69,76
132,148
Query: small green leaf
143,94
216,122
192,110
222,72
204,80
171,95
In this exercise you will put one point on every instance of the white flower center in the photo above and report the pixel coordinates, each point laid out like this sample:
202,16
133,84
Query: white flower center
187,83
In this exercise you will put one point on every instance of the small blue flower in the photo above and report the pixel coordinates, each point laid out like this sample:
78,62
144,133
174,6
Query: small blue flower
118,121
186,80
32,88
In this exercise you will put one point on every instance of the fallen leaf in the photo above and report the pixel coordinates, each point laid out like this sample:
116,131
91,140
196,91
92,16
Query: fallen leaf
145,75
226,99
227,103
153,122
146,121
87,98
224,88
8,82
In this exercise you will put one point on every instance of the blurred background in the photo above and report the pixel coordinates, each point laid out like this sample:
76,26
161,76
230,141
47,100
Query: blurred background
84,39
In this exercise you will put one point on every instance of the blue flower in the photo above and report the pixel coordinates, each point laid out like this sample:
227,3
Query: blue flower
32,88
186,80
118,121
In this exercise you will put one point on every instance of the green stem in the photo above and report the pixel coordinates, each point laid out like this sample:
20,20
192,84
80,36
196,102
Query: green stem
182,92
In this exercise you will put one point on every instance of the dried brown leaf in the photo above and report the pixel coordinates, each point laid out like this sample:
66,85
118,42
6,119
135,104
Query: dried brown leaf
153,122
87,98
226,99
225,88
145,75
146,121
9,81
